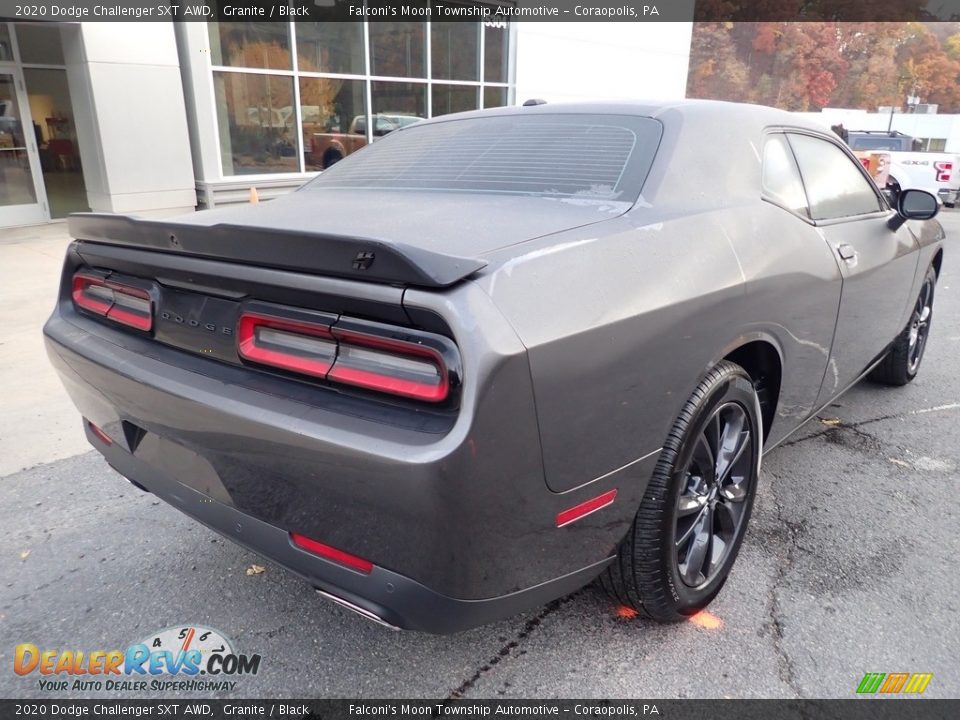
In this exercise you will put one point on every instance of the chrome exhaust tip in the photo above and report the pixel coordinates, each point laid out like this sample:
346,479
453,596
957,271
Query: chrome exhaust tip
362,612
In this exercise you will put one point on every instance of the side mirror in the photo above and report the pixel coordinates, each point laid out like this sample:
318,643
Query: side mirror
914,205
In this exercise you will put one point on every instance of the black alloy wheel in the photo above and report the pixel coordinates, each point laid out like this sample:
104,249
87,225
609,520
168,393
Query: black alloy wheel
689,527
710,510
902,362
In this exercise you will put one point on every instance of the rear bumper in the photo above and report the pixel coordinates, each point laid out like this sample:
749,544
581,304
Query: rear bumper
458,521
393,599
949,196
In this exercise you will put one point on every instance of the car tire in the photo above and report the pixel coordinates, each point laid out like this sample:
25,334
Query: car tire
685,502
902,363
331,158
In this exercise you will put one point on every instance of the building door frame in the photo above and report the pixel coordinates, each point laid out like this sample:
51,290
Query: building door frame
39,211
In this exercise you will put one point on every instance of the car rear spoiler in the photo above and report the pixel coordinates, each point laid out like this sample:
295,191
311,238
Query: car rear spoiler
369,259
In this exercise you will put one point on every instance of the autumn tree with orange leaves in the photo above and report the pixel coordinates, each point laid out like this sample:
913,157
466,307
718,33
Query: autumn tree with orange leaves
811,65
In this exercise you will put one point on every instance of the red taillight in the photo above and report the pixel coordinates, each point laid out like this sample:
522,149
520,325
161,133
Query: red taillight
385,364
113,300
331,553
944,170
585,508
392,366
299,347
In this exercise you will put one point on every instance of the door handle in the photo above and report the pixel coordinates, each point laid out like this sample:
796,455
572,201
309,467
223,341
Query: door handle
847,252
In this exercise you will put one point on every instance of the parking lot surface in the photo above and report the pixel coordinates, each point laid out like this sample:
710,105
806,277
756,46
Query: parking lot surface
849,566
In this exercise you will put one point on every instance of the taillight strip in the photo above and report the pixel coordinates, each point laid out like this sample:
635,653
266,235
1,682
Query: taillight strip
388,365
406,387
251,348
117,301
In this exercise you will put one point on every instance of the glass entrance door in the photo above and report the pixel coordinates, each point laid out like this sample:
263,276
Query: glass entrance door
22,198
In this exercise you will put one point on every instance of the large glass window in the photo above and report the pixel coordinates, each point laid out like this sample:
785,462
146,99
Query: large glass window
396,104
454,98
6,47
496,58
16,181
334,115
257,122
330,47
300,96
455,50
250,45
494,96
39,44
836,186
398,49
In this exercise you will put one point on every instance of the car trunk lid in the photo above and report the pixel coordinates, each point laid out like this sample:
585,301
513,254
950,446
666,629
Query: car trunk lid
425,239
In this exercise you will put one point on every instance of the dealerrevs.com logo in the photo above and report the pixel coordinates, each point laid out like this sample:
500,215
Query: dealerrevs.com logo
185,658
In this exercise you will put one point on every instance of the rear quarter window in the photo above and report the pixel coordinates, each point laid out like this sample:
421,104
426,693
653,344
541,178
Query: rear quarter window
780,176
589,156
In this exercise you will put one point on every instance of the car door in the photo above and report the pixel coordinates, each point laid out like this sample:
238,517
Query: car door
877,263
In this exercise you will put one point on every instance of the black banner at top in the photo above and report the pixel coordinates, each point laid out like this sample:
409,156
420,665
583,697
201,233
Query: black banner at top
479,10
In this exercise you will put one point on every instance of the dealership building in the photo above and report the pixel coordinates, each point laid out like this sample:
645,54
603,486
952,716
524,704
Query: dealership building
158,118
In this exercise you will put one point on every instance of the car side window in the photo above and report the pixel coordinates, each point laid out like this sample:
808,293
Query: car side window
836,186
780,177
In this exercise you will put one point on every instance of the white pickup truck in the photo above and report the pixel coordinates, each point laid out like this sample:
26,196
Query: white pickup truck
935,172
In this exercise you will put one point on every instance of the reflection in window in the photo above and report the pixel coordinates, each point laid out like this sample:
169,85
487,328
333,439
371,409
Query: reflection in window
39,43
334,119
780,178
455,50
397,49
250,44
494,97
256,118
454,98
330,47
6,48
496,54
390,74
835,185
397,104
16,180
515,153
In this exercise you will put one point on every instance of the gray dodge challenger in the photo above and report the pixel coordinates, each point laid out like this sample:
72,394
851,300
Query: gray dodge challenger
497,355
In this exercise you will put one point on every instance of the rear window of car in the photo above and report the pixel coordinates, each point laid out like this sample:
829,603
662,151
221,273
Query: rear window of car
868,143
589,156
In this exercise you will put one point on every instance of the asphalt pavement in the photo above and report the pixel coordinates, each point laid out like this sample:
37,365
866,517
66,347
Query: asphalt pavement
850,566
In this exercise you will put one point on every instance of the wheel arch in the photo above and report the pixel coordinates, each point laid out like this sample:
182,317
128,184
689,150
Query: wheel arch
938,262
762,360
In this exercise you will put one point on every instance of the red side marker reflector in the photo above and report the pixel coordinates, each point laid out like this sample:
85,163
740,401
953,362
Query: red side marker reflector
585,508
99,433
331,553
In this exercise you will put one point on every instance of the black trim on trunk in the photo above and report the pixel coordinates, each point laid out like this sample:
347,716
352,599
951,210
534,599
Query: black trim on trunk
369,259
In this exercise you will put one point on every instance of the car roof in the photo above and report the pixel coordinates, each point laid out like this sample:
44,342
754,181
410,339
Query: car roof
666,111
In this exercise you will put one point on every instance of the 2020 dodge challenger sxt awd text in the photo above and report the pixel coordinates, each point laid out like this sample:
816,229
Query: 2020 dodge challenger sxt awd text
495,355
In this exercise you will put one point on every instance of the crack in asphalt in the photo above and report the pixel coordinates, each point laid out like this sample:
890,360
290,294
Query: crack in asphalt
794,530
785,667
869,421
507,649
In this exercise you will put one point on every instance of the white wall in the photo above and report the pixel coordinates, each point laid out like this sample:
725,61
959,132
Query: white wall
567,61
130,116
